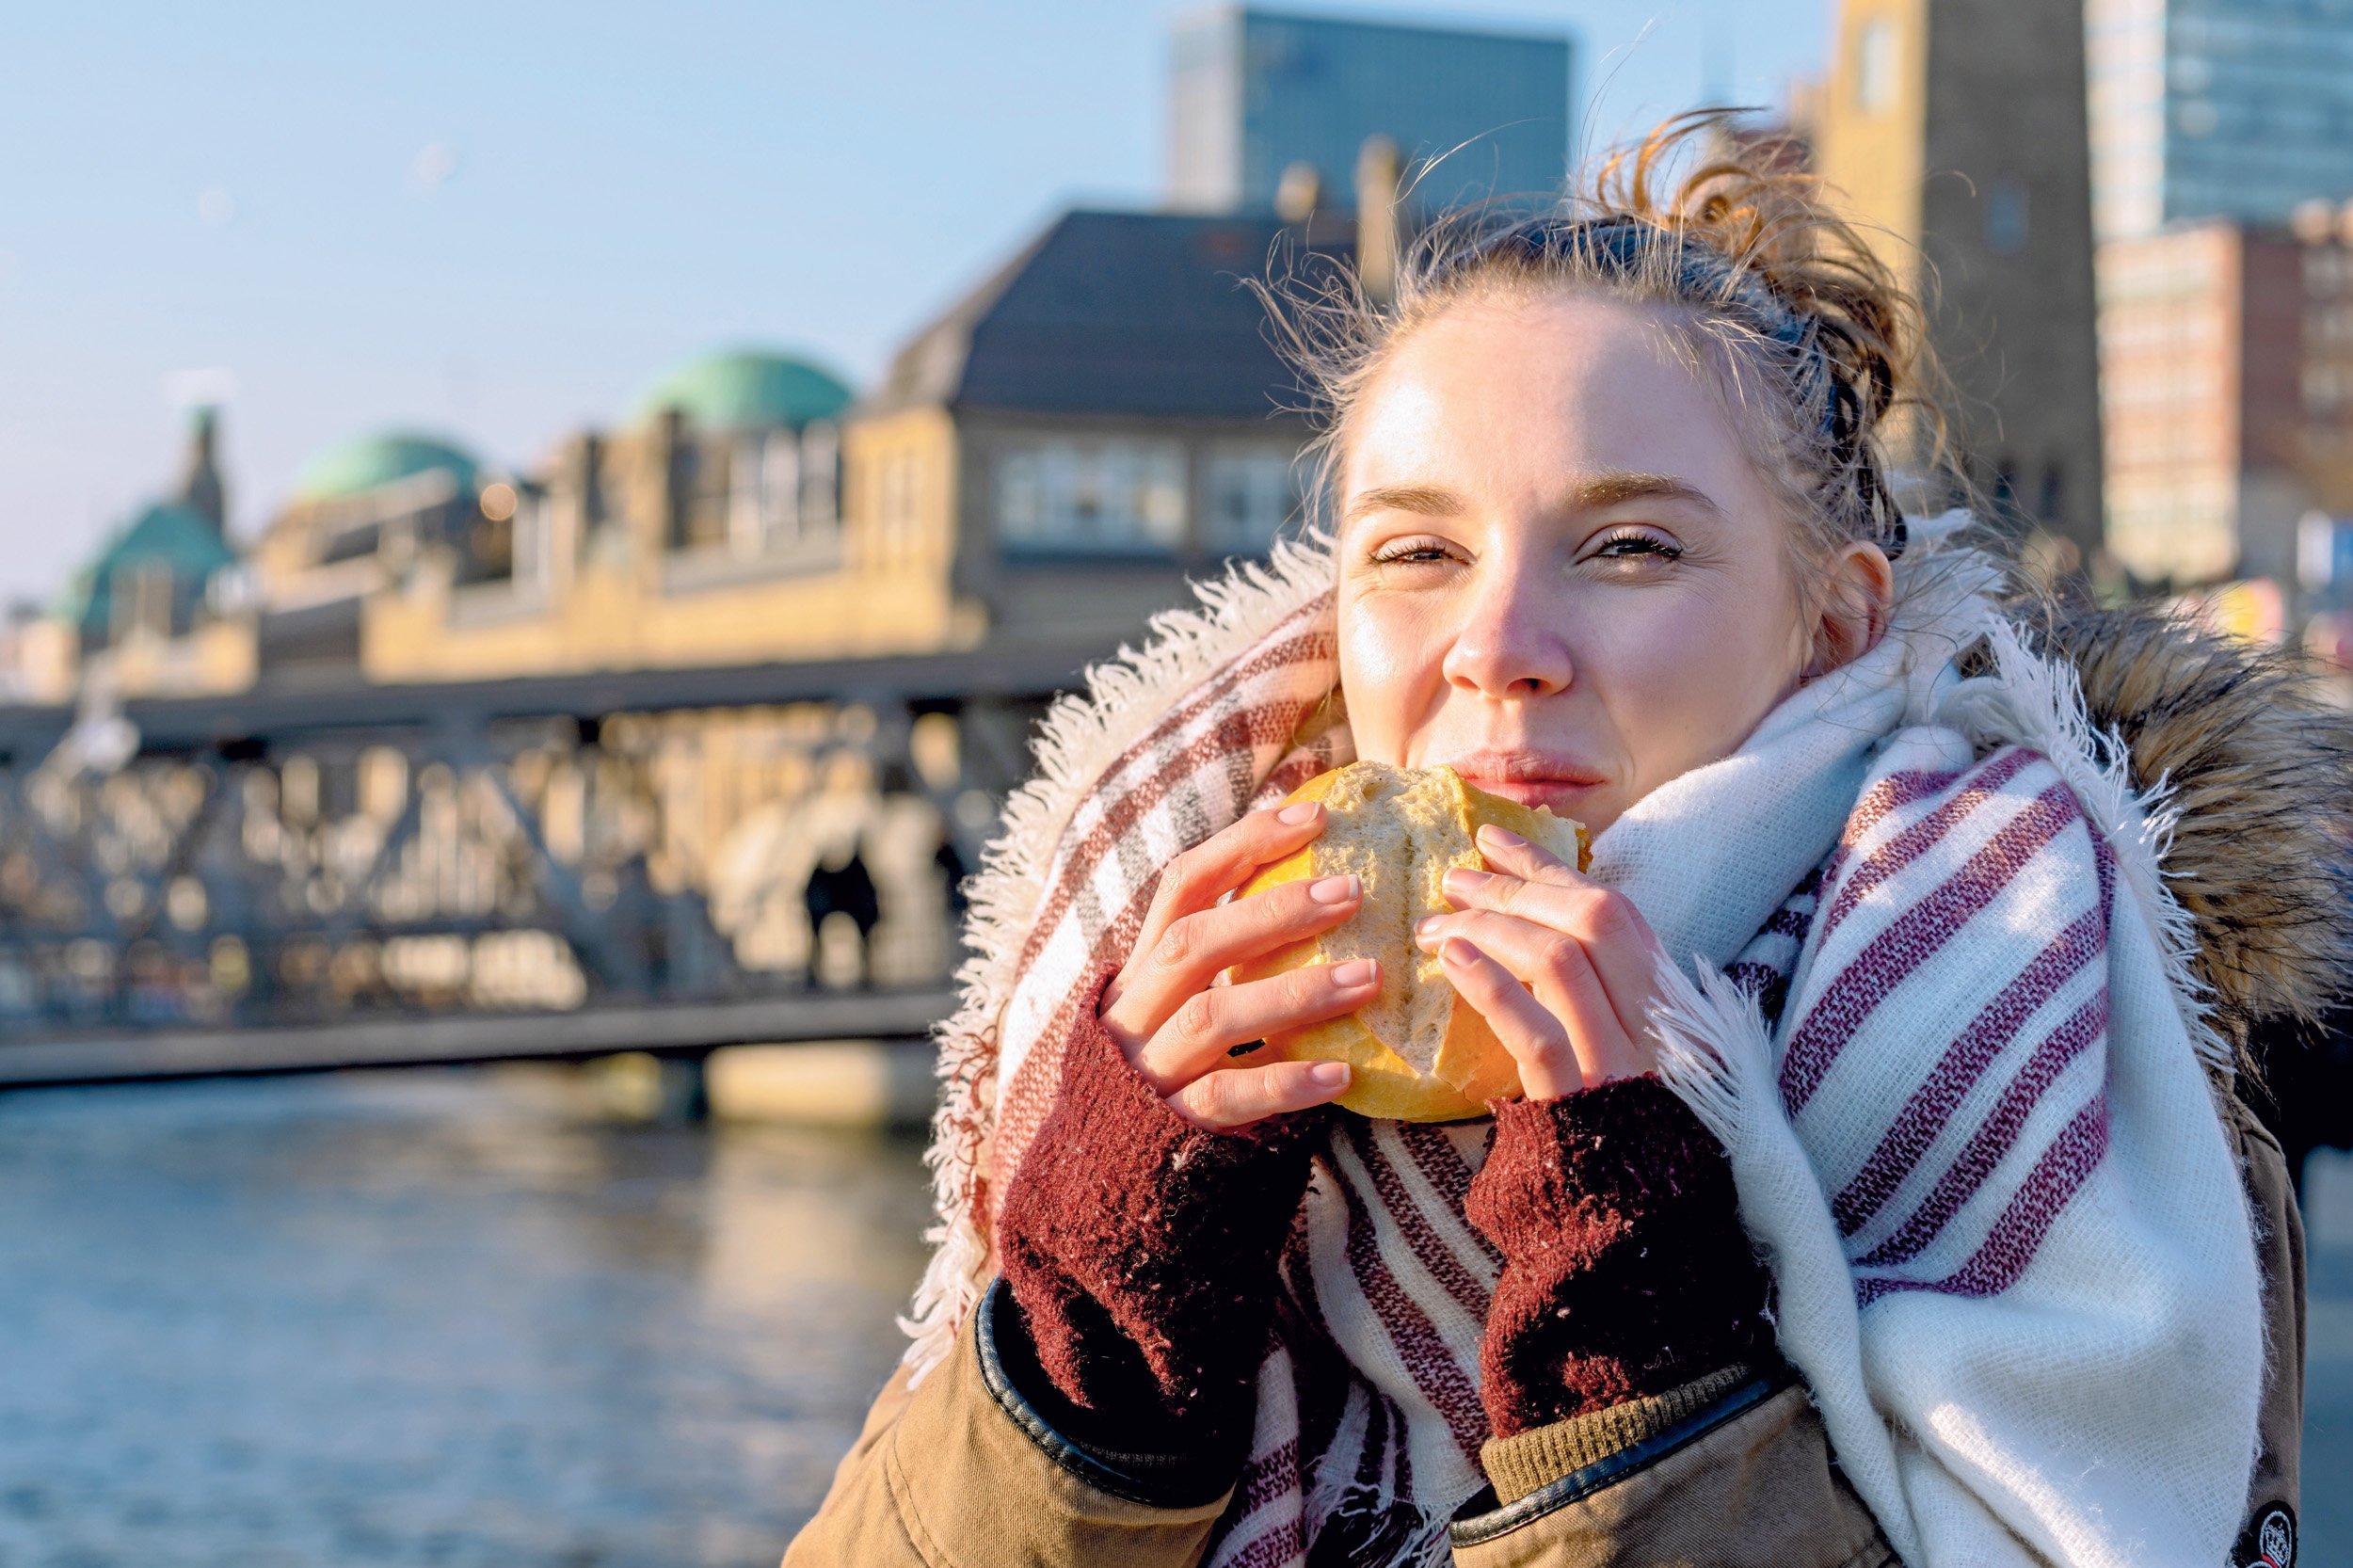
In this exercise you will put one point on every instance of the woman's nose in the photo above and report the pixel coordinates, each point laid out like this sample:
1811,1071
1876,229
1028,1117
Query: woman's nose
1506,644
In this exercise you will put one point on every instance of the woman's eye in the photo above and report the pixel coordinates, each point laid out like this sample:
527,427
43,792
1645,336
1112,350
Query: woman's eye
1411,553
1624,547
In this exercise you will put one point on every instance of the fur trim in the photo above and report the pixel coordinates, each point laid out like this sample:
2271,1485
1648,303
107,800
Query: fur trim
2257,770
2038,700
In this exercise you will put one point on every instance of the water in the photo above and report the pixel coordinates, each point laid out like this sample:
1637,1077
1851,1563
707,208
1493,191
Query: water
431,1319
461,1318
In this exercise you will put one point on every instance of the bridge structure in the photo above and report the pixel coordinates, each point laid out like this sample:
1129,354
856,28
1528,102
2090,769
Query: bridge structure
560,866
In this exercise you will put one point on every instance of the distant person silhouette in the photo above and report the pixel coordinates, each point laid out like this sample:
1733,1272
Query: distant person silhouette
846,889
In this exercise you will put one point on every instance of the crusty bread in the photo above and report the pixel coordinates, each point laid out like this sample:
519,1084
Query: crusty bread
1419,1051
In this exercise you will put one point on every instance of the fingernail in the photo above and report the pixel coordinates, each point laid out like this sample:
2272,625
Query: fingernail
1333,890
1502,837
1355,972
1329,1075
1462,877
1456,951
1429,925
1299,815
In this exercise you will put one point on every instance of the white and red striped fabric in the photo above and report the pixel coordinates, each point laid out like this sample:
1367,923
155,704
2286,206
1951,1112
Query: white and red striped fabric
1955,1063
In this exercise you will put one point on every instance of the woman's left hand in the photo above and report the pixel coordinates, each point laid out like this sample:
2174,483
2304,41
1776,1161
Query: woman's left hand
1559,966
1625,1273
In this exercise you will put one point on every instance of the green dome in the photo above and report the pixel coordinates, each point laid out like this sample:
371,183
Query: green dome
176,536
735,391
357,467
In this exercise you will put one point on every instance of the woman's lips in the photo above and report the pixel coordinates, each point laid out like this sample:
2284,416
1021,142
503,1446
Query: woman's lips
1560,795
1530,780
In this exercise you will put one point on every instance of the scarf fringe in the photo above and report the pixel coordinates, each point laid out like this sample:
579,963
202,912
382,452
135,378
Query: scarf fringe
1712,1045
1079,737
1716,1053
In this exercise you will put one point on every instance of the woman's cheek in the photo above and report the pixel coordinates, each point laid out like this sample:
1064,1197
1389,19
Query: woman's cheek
1389,657
1679,681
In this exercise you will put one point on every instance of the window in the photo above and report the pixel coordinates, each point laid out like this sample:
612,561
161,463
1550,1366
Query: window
898,495
821,479
2006,217
780,486
1114,495
1875,66
747,523
1248,493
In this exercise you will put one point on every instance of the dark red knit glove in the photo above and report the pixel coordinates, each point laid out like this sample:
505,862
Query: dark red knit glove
1626,1272
1141,1249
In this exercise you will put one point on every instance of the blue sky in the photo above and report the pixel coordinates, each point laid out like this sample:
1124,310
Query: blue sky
498,221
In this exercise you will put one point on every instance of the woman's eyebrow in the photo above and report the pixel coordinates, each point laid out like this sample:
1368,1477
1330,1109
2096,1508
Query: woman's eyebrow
1617,486
1429,499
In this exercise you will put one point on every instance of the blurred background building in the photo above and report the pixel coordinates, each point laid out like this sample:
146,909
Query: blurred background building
1269,107
1955,128
2216,108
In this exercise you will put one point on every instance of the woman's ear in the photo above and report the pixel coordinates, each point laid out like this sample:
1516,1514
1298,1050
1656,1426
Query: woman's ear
1860,595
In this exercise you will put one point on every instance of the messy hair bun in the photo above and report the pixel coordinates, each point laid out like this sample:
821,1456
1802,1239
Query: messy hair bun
1817,347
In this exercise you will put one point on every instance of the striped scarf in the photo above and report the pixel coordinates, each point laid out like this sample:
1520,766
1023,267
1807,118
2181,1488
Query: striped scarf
1936,1008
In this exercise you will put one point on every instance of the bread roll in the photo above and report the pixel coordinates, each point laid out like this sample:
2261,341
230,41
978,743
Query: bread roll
1419,1051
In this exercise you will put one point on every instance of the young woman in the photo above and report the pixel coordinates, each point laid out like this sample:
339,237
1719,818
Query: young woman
1880,1189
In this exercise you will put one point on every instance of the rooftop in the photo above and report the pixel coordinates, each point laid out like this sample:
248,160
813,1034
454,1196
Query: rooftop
1146,314
370,462
747,390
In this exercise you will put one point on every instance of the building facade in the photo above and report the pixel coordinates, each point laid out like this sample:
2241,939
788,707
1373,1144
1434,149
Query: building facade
161,609
2217,108
2227,375
1100,420
362,515
705,529
1954,132
1259,98
1041,469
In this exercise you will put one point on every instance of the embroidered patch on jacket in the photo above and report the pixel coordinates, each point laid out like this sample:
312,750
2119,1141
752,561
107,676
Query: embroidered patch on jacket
2268,1541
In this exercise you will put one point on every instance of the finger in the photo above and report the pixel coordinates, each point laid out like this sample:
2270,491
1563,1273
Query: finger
1213,1021
1614,935
1548,1064
1236,1097
1567,983
1506,851
1221,863
1196,947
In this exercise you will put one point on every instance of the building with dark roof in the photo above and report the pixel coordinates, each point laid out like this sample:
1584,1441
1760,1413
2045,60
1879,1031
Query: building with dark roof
1104,415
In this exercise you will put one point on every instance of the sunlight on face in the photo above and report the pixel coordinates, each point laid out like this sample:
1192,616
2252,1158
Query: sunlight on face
1559,571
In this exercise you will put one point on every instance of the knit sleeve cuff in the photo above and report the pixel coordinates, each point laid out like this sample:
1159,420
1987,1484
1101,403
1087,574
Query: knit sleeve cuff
1530,1461
1626,1272
1108,1455
1141,1249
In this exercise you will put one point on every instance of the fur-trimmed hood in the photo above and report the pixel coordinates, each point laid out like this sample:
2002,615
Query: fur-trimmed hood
2258,764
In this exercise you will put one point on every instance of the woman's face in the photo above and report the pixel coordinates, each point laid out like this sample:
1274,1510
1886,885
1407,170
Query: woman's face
1559,571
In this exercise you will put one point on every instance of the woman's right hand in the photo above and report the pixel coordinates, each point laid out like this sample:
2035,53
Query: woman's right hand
1179,1027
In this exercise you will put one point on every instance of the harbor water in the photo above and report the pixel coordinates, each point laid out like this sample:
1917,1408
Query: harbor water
471,1317
431,1318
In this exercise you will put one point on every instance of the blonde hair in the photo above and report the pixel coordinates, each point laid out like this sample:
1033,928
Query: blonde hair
1818,349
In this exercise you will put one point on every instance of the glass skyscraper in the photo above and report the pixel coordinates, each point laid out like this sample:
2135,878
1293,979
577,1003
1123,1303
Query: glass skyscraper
2217,108
1254,94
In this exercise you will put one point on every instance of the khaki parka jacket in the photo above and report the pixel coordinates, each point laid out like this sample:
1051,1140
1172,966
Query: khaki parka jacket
1734,1471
